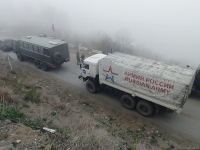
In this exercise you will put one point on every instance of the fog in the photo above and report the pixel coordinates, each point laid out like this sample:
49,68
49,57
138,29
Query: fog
167,28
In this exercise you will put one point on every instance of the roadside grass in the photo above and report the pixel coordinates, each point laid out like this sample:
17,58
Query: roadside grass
133,138
29,92
11,113
66,132
32,95
18,85
5,95
35,124
171,147
89,142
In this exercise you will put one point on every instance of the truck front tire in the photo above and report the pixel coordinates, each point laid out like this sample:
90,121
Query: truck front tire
145,108
128,101
91,86
58,58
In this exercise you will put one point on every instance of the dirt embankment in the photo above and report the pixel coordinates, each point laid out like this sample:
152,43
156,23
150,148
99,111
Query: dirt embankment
31,100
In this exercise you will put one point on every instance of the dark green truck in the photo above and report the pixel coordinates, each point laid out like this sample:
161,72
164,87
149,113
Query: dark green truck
46,52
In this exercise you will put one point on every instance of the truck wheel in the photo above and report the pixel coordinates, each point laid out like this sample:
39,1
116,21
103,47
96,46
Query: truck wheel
91,86
145,108
20,57
128,101
58,58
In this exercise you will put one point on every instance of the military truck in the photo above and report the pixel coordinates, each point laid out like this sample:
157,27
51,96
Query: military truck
46,52
144,84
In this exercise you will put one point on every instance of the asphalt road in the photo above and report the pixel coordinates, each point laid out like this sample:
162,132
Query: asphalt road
183,125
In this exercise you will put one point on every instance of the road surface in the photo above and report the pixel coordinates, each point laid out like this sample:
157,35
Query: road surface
184,125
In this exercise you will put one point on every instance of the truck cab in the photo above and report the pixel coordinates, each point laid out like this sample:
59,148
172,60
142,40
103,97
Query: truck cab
90,66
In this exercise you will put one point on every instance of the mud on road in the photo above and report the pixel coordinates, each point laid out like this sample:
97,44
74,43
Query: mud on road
82,120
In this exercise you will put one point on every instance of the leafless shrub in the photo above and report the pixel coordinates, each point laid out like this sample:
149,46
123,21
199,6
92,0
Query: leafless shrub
5,96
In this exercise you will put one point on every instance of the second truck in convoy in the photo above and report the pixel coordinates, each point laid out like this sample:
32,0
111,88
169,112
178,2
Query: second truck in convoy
144,84
46,52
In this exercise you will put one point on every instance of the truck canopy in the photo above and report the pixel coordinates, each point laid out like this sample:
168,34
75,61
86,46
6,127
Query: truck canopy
158,82
47,42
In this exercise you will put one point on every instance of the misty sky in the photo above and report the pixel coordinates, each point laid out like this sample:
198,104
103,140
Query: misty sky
170,28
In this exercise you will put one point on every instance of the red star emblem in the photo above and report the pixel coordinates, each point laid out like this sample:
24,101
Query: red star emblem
110,71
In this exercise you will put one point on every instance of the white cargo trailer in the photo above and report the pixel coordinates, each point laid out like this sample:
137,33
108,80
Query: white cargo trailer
144,84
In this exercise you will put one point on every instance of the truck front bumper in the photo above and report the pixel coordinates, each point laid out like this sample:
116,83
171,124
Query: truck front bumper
82,78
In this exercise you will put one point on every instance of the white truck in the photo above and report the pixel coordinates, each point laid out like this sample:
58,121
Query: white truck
144,84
